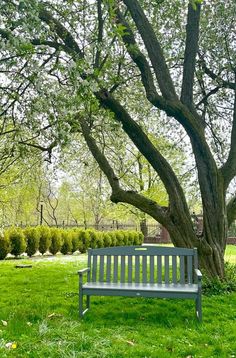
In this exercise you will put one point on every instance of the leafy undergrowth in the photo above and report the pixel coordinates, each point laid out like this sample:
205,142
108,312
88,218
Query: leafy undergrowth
38,318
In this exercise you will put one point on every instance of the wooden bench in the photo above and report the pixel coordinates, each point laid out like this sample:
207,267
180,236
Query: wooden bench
141,271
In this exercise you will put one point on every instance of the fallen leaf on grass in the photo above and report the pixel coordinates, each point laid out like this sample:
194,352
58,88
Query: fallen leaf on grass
130,343
54,315
29,324
4,323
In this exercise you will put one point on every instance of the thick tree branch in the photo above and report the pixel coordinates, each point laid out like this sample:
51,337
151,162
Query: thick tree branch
220,81
149,151
118,194
62,32
231,211
5,34
100,34
154,49
207,95
229,168
54,44
141,62
191,49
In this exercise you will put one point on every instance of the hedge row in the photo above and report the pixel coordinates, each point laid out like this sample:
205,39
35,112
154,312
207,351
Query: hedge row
43,239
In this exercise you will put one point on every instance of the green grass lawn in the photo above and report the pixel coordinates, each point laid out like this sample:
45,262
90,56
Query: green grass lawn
40,308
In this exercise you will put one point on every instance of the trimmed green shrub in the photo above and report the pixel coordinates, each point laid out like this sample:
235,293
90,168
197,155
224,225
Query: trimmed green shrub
113,238
100,241
84,242
32,236
136,239
96,239
75,240
45,239
4,246
56,241
119,238
17,241
107,239
127,237
67,237
93,238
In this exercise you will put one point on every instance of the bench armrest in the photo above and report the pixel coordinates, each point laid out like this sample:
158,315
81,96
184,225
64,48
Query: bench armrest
83,271
198,274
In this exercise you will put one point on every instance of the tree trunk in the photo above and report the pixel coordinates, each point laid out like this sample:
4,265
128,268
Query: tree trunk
143,227
211,244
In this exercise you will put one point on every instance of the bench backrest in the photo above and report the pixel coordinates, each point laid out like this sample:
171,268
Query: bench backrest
142,264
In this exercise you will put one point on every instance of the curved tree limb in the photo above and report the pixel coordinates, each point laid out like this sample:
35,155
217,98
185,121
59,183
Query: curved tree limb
231,211
191,49
153,48
141,62
229,168
118,194
61,31
144,145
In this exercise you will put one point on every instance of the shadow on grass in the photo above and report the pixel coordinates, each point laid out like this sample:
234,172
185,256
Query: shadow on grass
122,311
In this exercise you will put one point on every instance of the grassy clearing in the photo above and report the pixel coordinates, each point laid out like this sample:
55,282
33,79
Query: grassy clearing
40,308
230,254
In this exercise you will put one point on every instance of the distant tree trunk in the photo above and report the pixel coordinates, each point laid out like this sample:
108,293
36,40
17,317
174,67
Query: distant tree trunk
143,227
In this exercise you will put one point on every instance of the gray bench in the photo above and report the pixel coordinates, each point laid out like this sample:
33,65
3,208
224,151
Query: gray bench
141,271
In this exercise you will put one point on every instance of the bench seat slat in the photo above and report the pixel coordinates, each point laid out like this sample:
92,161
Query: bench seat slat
142,287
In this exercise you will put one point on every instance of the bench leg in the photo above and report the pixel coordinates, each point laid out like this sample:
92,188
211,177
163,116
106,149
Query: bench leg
80,303
198,304
88,302
81,311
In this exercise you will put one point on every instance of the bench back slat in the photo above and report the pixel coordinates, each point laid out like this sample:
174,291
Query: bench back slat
101,269
167,269
144,269
94,270
174,269
108,272
152,269
145,264
182,269
159,269
115,279
130,269
89,265
190,269
137,268
122,272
